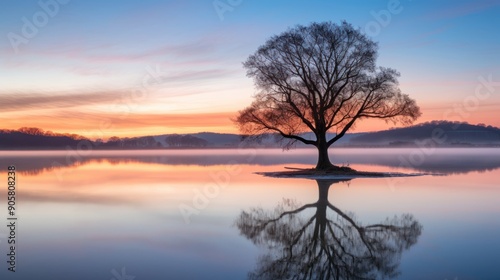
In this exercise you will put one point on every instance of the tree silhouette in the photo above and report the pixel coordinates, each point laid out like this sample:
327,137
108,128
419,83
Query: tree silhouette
325,246
321,78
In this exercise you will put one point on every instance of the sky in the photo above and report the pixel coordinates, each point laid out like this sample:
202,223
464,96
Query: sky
129,68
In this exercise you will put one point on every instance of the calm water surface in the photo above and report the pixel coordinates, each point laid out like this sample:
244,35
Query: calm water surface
205,214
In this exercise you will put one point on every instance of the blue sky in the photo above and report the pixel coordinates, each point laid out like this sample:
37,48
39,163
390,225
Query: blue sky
86,55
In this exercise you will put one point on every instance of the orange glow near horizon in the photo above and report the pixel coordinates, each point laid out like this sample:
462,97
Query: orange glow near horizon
105,125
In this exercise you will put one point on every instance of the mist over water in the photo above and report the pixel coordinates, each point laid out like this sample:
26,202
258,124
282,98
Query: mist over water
180,214
440,161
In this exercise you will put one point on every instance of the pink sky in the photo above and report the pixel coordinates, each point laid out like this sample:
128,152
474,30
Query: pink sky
147,68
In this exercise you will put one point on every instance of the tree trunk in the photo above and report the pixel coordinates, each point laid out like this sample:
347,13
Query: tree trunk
323,159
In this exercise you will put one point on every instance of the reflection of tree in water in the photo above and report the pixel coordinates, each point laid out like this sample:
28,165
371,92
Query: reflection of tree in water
333,246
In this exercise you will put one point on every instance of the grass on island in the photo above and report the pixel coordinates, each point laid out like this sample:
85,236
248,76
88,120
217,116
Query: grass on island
333,172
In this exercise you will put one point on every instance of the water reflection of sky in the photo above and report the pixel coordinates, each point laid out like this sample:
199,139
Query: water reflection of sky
105,214
439,161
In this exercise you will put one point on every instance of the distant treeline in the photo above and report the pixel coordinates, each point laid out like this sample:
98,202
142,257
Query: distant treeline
36,138
442,133
32,137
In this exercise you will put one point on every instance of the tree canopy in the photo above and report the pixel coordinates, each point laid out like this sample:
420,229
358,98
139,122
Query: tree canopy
321,78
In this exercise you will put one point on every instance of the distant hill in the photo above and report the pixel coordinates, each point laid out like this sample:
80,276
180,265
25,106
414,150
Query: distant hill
439,133
223,139
209,139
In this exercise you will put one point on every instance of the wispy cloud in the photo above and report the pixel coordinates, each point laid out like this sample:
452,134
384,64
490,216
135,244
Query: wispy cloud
190,49
20,101
108,52
462,9
194,75
134,120
420,40
40,100
90,71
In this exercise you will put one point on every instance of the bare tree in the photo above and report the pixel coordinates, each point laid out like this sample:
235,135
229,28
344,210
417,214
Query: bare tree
321,78
316,244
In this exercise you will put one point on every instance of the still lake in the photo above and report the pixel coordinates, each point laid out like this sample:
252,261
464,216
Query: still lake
205,214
